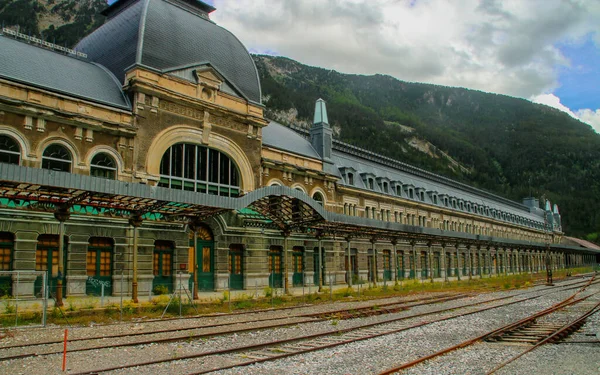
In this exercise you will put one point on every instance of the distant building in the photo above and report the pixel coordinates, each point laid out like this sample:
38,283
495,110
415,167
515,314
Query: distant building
148,150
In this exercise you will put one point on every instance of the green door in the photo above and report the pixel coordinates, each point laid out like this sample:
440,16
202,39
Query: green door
236,267
275,267
424,265
317,274
298,263
387,265
6,250
46,259
400,263
412,265
436,265
163,267
99,266
206,265
464,263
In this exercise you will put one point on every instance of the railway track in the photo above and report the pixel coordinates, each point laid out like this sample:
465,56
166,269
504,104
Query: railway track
349,313
257,353
545,333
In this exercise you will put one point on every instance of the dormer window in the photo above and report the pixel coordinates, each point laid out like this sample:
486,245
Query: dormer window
411,194
435,200
446,202
385,187
454,203
350,178
371,184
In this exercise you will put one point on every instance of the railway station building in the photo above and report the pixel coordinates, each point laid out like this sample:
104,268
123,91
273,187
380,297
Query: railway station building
144,154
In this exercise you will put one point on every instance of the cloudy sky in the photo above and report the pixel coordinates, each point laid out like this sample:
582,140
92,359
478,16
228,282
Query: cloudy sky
547,51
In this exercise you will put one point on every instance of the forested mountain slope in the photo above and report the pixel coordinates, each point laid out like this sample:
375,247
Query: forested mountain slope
505,145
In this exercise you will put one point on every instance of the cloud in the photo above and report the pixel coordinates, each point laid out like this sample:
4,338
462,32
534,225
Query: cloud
506,46
588,116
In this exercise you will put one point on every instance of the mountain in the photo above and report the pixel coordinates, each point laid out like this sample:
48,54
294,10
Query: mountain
62,22
505,145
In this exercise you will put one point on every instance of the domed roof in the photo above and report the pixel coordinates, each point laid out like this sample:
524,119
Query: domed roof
164,35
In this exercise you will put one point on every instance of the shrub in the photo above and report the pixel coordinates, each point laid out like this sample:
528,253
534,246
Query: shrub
160,289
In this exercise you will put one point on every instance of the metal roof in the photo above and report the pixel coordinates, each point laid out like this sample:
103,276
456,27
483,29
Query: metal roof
281,137
27,188
53,71
161,35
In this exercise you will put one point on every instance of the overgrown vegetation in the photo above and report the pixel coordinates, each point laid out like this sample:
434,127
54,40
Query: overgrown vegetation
87,311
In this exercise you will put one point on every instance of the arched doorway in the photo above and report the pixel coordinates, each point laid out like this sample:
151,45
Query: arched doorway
99,266
204,275
7,244
46,259
162,266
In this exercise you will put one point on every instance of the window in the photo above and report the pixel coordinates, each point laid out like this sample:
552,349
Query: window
198,168
235,259
163,258
57,158
422,196
99,256
411,194
435,199
385,187
103,165
10,152
371,184
399,190
350,179
318,197
6,247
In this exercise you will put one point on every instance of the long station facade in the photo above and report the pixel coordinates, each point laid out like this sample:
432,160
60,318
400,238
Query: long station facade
144,155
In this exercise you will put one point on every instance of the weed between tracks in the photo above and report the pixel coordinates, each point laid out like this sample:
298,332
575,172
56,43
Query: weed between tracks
86,311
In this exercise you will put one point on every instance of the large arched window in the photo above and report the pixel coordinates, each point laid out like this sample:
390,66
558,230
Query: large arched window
10,152
103,165
198,168
57,158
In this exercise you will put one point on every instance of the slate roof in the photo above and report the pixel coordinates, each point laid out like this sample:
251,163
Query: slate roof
365,162
163,35
283,138
53,71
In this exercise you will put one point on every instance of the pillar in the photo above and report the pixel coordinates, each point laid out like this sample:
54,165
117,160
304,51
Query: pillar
430,265
135,221
320,261
443,269
395,256
468,260
414,265
457,262
348,263
62,214
286,283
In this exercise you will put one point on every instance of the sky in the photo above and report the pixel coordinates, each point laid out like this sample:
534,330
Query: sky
547,51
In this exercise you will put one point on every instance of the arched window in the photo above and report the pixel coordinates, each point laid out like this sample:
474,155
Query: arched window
198,168
10,152
57,158
103,165
318,197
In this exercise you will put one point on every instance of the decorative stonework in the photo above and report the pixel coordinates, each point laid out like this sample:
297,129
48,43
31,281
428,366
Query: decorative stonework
177,109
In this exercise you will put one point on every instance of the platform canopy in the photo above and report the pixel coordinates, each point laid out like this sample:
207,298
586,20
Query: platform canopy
275,207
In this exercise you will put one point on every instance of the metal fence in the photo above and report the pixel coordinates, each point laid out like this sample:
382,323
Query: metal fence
23,298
